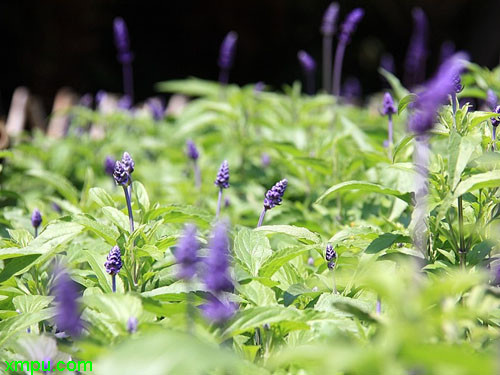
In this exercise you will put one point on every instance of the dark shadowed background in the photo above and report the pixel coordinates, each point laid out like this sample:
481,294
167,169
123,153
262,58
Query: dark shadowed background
47,44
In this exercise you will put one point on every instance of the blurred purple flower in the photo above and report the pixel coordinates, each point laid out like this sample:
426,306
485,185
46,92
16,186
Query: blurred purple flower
330,19
351,89
388,107
226,56
491,100
109,165
216,275
125,102
86,100
157,108
186,253
36,218
265,159
447,50
191,150
309,68
416,56
66,296
218,311
387,63
435,94
350,24
132,324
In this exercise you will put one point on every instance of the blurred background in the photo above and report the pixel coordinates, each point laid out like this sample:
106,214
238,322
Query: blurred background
48,44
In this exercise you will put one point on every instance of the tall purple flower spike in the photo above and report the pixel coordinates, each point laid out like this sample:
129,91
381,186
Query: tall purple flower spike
109,165
186,253
66,296
217,278
273,198
416,56
421,121
388,109
309,68
36,220
328,28
226,56
113,264
222,181
125,56
346,30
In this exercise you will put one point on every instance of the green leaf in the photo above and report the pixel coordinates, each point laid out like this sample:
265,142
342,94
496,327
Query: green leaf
58,182
479,252
15,324
477,117
109,234
401,145
365,187
101,197
190,87
141,195
357,135
404,102
281,257
174,293
303,234
96,262
460,150
399,91
382,242
14,265
31,303
252,249
117,217
483,180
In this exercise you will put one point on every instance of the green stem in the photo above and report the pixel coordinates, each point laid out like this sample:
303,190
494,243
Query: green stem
462,251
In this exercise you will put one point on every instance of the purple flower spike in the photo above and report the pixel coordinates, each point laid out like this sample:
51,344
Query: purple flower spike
274,195
218,311
436,93
491,99
113,263
457,82
309,67
132,324
191,150
157,108
86,100
330,256
495,121
120,174
122,41
222,179
350,24
330,19
68,311
306,61
226,56
186,253
227,51
109,165
388,105
128,162
417,50
124,103
36,218
216,275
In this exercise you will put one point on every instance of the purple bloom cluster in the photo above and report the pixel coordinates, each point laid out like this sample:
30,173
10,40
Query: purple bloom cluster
330,256
458,84
113,263
216,276
191,150
306,61
227,51
186,253
350,24
388,105
417,49
491,99
128,162
495,121
132,324
68,311
222,179
435,94
36,218
109,165
122,41
120,174
330,19
274,196
157,108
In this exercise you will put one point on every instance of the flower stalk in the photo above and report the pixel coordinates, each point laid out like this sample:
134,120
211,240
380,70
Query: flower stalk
328,30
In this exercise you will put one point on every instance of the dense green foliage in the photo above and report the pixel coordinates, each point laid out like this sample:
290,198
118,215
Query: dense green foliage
295,315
